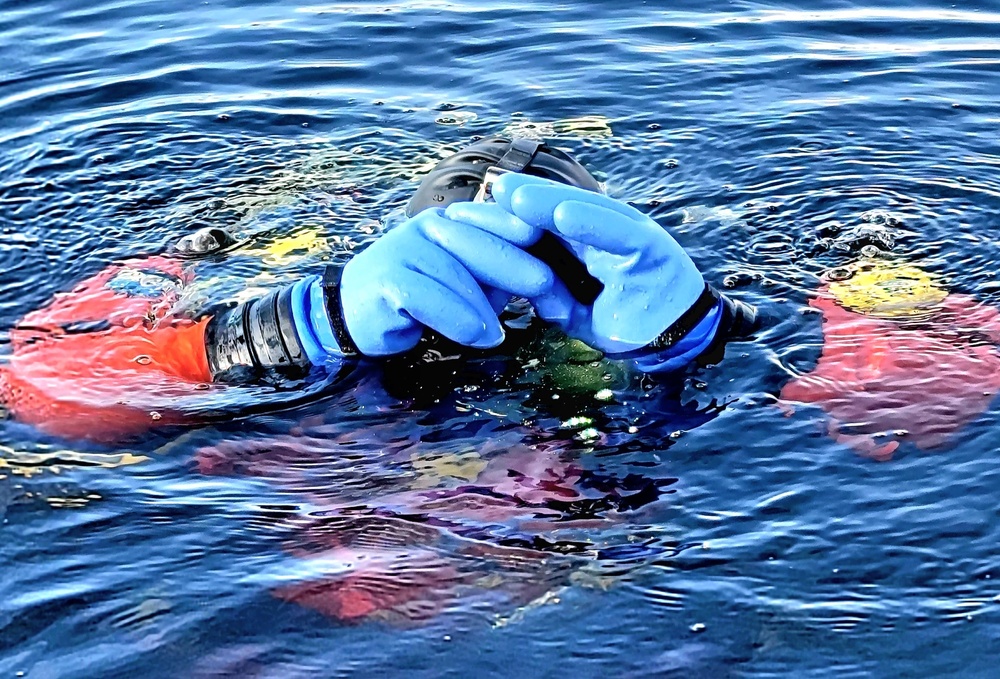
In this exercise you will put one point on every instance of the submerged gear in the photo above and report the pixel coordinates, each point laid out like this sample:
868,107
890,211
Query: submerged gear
256,335
469,176
886,289
203,242
885,380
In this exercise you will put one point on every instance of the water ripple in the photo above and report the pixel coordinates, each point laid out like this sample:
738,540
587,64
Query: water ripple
378,530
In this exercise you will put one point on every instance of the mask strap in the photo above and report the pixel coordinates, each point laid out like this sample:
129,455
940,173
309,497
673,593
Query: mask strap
517,158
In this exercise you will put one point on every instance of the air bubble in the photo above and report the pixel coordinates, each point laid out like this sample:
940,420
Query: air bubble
840,273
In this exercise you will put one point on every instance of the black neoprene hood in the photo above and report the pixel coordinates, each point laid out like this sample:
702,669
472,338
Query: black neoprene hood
468,175
460,176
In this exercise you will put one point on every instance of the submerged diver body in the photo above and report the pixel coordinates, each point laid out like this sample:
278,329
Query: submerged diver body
497,220
118,355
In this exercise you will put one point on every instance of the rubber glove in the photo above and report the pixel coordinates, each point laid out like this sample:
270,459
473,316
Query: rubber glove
429,272
655,307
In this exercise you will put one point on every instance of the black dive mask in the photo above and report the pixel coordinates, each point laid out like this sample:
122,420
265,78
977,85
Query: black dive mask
469,175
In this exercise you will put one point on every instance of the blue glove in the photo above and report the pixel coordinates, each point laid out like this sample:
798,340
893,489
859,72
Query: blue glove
429,272
650,283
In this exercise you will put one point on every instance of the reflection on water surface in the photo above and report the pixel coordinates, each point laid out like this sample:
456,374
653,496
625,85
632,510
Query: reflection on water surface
460,515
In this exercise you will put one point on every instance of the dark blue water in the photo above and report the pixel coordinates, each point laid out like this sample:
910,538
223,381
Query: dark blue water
512,520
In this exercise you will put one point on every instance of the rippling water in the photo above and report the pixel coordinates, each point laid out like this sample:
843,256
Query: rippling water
694,529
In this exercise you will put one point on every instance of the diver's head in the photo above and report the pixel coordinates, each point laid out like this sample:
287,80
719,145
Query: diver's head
469,173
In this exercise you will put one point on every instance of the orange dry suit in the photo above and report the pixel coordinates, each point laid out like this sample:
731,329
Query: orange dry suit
108,358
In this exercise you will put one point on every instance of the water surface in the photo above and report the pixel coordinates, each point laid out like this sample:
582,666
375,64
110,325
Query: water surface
688,529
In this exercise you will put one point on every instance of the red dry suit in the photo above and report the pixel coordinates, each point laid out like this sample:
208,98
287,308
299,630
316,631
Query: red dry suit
927,377
109,358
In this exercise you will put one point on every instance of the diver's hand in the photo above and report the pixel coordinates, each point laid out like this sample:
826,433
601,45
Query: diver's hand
650,282
429,272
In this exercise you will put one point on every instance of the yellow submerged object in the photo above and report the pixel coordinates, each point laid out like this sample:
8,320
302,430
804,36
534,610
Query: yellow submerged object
290,249
887,289
57,460
583,127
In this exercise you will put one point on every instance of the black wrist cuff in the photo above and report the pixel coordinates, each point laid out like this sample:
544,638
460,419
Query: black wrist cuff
739,321
254,337
707,301
331,293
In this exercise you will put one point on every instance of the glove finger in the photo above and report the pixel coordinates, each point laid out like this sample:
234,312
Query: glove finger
491,260
557,306
495,219
497,298
604,229
466,319
533,199
430,259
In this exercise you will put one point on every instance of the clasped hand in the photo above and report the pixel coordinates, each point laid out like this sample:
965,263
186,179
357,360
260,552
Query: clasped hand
453,270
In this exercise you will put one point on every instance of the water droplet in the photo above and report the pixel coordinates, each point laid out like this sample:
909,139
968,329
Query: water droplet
143,360
155,415
201,386
741,279
697,627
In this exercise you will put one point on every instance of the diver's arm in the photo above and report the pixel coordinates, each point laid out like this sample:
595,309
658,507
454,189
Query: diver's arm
430,272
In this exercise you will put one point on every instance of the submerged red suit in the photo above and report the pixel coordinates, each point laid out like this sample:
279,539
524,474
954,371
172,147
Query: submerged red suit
108,359
113,357
922,378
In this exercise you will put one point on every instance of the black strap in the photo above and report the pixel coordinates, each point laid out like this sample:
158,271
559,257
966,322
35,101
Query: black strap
519,155
707,301
739,321
331,291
